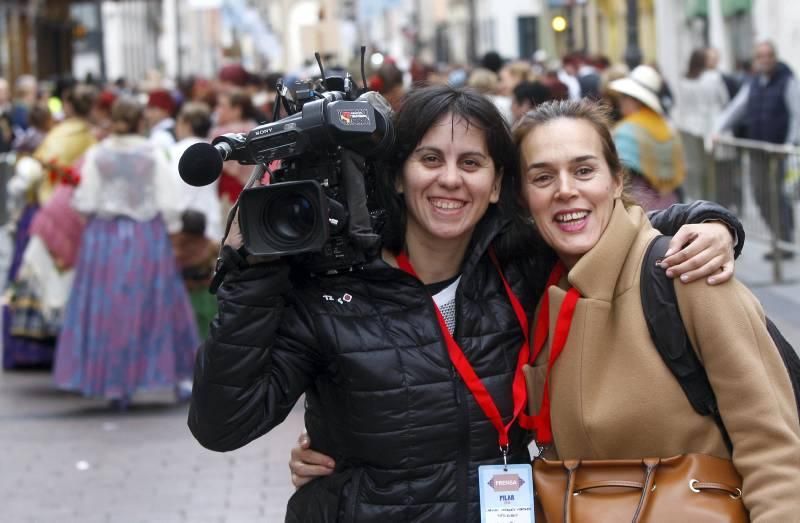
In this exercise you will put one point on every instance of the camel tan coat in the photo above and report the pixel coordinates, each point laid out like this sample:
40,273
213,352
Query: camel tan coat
612,397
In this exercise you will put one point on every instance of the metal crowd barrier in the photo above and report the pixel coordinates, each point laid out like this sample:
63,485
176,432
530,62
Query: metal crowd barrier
760,183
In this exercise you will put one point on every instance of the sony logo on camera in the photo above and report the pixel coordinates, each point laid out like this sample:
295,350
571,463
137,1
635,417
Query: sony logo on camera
358,117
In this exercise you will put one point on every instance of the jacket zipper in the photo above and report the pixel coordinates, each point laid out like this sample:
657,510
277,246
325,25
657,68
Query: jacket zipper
462,459
462,463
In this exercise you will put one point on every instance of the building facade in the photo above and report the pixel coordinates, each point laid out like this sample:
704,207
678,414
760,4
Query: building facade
36,37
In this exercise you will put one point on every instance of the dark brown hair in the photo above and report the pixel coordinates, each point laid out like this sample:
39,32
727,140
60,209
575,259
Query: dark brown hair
126,115
198,116
596,114
81,97
421,109
240,99
697,63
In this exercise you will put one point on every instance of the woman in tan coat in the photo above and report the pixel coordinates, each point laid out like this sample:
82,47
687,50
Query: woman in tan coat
611,395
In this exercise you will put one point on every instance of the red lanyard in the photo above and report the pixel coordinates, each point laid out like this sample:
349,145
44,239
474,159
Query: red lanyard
541,421
467,373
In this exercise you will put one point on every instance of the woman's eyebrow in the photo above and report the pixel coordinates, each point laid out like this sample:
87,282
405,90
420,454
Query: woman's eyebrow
577,159
424,148
428,148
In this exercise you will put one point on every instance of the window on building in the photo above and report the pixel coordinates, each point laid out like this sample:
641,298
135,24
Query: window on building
527,31
442,44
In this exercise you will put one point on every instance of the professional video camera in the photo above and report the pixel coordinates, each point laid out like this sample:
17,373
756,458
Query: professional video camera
315,207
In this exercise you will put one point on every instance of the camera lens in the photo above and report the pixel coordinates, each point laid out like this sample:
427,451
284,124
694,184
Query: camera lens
284,218
292,219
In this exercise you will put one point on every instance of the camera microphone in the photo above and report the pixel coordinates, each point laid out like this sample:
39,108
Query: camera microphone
201,164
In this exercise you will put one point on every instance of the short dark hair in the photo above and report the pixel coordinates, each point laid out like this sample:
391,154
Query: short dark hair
81,97
534,93
421,109
198,116
492,61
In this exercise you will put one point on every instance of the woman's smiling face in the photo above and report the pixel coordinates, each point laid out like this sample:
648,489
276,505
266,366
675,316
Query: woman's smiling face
448,182
568,185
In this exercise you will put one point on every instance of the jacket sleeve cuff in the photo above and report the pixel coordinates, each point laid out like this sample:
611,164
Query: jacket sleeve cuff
669,220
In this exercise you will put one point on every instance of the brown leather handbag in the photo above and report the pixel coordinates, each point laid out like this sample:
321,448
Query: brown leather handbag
685,489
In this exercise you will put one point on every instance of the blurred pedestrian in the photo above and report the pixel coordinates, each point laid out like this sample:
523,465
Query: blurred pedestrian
732,82
512,74
101,114
388,81
234,114
197,242
232,77
486,82
611,73
568,75
492,61
702,96
26,91
770,106
648,146
526,96
128,323
159,118
589,75
6,128
558,89
40,121
33,183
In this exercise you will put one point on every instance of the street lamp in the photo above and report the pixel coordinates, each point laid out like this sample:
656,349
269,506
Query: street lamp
558,23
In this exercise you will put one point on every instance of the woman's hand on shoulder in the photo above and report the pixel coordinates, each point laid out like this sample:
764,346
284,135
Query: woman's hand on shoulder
702,250
306,464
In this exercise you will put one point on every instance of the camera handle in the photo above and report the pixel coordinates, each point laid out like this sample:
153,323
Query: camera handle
359,225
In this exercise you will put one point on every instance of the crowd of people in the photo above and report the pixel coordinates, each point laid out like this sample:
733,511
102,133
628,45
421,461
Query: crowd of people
112,252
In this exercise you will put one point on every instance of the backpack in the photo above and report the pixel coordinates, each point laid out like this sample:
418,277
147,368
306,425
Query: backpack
660,307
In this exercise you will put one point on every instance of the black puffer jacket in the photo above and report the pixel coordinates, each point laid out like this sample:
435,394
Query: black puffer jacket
383,398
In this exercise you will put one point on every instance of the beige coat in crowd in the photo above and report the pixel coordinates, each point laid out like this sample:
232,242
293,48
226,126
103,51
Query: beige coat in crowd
612,396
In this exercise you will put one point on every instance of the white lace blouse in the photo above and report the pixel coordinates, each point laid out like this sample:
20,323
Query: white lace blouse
127,176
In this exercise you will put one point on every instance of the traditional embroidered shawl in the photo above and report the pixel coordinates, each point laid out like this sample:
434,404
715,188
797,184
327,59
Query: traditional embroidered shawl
650,148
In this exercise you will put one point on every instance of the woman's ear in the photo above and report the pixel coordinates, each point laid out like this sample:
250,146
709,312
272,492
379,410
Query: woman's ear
619,184
497,187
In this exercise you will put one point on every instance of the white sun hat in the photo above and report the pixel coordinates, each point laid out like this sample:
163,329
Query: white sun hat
643,84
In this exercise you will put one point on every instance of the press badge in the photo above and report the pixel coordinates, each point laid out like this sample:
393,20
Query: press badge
506,493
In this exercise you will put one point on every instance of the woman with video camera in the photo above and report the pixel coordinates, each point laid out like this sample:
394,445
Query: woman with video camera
376,349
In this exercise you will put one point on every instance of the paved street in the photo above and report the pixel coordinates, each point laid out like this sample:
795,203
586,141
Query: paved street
68,459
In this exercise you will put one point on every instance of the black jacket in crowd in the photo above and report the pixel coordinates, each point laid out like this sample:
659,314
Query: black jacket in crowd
382,397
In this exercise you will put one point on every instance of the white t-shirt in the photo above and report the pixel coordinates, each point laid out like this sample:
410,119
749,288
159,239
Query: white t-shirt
446,301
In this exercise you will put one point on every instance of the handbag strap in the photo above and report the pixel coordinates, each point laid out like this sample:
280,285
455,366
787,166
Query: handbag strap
651,464
572,466
647,486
